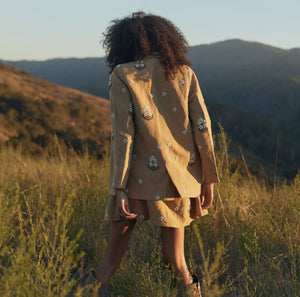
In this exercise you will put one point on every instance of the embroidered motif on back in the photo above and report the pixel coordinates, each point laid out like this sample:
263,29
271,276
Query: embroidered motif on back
130,109
202,126
139,65
147,113
192,159
153,165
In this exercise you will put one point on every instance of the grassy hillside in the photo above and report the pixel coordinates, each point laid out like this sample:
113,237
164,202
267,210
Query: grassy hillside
34,112
51,220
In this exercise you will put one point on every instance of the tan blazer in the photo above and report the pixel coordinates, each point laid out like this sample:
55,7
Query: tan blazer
161,132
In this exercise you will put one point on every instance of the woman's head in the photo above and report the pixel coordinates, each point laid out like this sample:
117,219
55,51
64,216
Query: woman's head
135,37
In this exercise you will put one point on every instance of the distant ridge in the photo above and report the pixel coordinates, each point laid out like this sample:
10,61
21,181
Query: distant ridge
244,43
233,52
91,74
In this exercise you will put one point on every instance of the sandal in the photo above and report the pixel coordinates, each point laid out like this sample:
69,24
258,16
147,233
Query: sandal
191,290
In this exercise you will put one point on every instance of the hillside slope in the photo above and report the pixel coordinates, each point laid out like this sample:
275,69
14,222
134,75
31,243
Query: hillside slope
87,74
254,78
33,111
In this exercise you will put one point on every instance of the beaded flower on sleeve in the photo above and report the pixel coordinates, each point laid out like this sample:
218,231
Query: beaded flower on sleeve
202,126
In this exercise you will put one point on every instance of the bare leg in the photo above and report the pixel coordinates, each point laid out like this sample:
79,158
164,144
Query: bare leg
173,253
118,239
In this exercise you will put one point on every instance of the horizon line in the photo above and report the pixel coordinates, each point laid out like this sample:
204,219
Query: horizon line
191,46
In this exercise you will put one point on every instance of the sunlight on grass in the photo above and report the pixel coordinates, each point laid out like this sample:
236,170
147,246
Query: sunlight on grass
52,209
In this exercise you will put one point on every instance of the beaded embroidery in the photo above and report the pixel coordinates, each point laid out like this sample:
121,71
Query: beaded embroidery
139,65
153,165
192,159
202,126
130,110
147,113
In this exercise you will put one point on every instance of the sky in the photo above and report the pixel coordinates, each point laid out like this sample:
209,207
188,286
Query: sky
40,29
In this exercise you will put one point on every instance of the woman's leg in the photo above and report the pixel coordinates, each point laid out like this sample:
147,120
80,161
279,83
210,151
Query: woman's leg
173,253
118,239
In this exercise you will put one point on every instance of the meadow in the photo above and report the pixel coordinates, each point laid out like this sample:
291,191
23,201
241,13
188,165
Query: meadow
51,228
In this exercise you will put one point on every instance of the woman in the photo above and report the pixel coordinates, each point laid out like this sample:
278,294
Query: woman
161,146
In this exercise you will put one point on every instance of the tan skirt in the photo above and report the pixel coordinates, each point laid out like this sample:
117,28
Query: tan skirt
168,213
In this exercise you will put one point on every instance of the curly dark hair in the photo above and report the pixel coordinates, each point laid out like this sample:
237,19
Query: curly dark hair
135,37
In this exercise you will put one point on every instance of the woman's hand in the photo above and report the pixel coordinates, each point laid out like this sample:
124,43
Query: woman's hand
123,205
207,195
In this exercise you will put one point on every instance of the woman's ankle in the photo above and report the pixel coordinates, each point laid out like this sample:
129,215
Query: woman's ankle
184,281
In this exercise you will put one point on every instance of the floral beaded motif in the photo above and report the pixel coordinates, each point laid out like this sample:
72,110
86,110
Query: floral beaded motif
147,113
192,159
202,126
139,65
130,110
153,165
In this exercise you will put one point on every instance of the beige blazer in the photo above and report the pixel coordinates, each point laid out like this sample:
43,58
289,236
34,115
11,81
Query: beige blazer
161,132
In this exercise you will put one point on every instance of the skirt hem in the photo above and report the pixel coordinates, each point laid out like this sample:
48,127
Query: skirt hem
172,213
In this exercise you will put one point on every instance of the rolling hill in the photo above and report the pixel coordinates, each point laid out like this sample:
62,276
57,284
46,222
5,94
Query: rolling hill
252,77
33,112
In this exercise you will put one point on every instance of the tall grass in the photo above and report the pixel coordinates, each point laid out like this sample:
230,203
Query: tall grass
51,227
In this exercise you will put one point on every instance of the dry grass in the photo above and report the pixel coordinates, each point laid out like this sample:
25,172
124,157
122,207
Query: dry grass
51,226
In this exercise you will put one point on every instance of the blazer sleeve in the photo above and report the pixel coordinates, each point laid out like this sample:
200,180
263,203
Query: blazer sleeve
201,126
122,132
